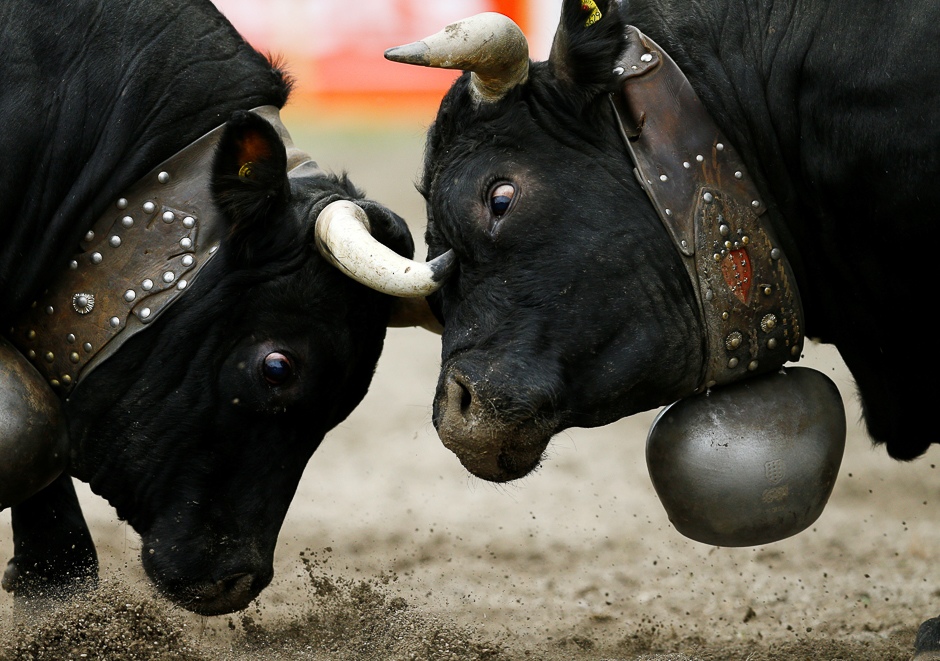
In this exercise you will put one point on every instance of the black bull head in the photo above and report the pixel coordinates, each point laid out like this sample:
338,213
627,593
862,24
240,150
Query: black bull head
563,299
198,429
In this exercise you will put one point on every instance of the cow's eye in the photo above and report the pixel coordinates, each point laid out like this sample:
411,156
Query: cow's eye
276,368
501,196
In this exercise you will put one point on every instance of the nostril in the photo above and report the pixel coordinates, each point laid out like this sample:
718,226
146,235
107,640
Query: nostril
459,397
237,584
466,398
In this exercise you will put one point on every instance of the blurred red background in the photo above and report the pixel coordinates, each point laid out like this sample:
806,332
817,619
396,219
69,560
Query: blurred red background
335,49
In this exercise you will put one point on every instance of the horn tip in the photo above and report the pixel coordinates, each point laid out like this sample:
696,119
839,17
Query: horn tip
417,53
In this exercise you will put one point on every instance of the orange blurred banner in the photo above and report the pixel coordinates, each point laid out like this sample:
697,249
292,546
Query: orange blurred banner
335,49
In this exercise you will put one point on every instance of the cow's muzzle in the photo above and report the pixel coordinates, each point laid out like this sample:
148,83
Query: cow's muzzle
496,437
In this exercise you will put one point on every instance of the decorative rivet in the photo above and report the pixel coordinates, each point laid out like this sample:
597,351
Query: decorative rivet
188,259
50,357
716,257
686,165
745,240
130,295
668,212
720,147
794,350
163,177
87,347
724,230
115,322
169,276
96,258
74,357
149,207
73,265
685,244
31,354
738,175
772,343
115,241
700,158
728,245
89,235
31,335
127,221
768,290
147,284
708,197
54,383
122,203
66,379
182,285
70,338
755,203
775,253
618,71
168,216
634,67
733,341
768,323
751,366
83,303
49,310
663,177
733,363
725,316
213,249
709,295
188,222
186,243
646,57
145,313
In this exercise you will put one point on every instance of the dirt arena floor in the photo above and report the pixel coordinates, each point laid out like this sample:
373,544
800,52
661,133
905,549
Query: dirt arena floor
391,551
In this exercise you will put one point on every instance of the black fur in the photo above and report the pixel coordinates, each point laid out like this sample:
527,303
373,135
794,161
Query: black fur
179,430
578,299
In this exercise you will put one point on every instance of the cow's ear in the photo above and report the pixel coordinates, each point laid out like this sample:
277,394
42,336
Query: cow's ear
250,185
591,36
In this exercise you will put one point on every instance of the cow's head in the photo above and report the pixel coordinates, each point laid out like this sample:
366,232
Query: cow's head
569,305
198,430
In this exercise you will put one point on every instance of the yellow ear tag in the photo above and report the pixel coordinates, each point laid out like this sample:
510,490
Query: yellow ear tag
590,5
245,170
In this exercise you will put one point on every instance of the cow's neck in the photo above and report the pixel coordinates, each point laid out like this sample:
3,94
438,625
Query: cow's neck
703,193
140,256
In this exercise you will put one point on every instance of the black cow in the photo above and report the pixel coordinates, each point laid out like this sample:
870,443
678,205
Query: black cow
197,428
571,304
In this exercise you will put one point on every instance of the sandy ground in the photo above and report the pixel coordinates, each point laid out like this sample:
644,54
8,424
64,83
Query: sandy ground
391,551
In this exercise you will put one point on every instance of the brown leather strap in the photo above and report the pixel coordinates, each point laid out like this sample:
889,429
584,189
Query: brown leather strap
712,210
134,262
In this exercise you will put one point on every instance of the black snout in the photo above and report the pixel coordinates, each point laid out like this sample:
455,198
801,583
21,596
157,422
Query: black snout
232,593
208,575
498,430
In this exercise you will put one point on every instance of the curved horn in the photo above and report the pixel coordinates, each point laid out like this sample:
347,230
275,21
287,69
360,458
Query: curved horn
344,238
490,45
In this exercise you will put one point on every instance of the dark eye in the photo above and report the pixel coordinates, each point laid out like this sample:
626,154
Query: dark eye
276,368
501,196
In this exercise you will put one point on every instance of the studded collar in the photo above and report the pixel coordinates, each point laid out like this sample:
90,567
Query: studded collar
137,259
699,186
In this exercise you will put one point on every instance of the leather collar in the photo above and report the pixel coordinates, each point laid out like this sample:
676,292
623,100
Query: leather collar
137,259
699,186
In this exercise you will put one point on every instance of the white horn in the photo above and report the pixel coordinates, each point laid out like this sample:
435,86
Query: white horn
490,45
345,239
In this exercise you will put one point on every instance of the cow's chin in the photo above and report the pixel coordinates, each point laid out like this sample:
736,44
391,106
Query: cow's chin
229,586
497,452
